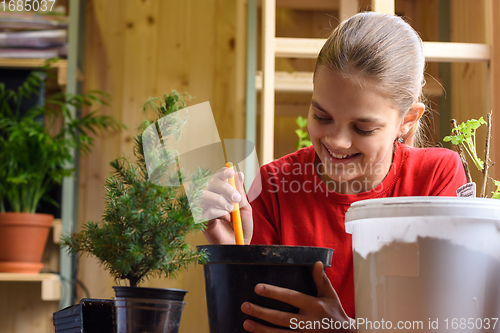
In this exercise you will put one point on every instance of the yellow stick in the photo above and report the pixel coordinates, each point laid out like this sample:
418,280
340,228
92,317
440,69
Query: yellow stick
235,214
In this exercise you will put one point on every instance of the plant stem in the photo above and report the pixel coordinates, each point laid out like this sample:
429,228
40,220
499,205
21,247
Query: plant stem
486,155
461,153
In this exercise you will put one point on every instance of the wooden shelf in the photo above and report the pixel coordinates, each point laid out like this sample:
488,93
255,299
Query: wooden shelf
286,47
51,283
290,82
61,65
56,231
303,82
457,52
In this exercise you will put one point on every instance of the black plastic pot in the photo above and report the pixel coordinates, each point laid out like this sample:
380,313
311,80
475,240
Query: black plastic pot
143,310
233,271
89,316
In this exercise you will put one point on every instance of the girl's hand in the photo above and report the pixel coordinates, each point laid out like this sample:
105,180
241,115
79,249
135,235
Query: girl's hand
326,305
217,203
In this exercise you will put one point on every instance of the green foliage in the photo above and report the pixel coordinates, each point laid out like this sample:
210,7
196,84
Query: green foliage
496,194
32,160
467,138
144,227
304,139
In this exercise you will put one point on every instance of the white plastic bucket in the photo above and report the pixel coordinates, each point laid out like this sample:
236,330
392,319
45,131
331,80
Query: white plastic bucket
426,264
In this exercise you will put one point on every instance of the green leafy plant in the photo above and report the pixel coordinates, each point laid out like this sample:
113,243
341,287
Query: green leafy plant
464,138
32,158
304,139
496,193
144,225
467,138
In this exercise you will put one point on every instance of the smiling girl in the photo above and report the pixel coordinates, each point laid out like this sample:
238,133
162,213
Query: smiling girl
364,125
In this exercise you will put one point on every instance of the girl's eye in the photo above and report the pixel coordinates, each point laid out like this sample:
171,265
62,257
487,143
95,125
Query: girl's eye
360,131
321,120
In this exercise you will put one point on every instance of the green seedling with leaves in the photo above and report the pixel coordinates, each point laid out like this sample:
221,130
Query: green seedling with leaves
304,139
144,226
465,138
496,194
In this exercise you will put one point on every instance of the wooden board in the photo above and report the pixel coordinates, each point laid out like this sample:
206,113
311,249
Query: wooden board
23,310
140,49
469,94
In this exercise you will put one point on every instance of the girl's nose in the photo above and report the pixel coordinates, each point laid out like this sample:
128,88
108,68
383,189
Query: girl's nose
338,139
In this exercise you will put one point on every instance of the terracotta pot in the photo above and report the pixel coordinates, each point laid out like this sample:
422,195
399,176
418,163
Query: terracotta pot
22,241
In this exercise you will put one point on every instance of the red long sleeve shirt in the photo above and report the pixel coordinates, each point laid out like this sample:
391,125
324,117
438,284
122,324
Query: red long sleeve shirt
295,208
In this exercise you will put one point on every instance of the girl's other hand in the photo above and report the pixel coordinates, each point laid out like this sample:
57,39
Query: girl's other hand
326,306
217,203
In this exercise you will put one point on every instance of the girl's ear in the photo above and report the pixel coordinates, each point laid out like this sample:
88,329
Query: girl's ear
411,118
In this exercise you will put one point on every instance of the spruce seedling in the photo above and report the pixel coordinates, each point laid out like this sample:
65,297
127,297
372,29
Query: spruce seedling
144,226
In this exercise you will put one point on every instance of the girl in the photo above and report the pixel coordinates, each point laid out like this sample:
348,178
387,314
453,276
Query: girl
363,122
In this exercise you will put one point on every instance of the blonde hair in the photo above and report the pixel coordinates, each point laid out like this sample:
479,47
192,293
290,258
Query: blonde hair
384,50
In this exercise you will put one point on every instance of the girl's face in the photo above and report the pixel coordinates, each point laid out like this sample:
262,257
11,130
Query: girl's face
352,129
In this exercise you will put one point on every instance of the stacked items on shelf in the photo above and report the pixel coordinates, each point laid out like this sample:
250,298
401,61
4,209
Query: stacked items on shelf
33,36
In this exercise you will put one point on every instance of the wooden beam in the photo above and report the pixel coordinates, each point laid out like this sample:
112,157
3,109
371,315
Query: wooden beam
309,5
60,65
268,65
348,8
495,86
290,82
51,284
456,52
298,47
434,51
303,82
384,6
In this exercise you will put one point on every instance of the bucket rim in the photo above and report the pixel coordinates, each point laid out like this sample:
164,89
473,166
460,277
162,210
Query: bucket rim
430,200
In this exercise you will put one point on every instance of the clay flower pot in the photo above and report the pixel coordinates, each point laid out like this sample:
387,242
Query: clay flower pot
22,241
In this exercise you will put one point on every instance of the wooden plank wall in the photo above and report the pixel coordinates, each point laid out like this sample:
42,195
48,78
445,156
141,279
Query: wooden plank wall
138,49
22,310
469,91
495,81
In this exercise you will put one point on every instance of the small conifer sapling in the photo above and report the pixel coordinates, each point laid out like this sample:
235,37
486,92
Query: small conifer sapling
144,226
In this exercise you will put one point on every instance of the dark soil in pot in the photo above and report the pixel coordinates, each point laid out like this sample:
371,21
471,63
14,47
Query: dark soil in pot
233,271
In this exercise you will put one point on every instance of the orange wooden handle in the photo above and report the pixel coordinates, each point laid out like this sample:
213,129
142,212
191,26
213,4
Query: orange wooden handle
235,214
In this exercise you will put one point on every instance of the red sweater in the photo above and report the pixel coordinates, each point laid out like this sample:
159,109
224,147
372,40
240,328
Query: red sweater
295,208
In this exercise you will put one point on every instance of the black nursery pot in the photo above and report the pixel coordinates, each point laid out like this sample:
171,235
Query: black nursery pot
91,315
144,310
233,271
